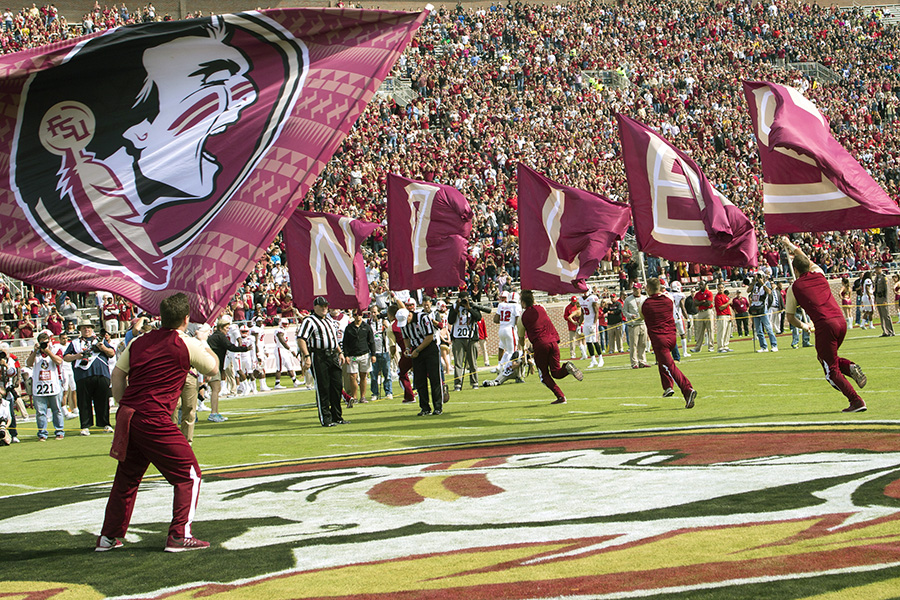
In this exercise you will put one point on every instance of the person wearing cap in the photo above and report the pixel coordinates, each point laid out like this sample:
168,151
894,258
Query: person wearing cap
740,305
419,335
637,330
573,318
147,381
283,354
506,316
659,316
724,318
539,329
381,369
358,345
463,321
220,344
46,388
319,349
705,318
90,357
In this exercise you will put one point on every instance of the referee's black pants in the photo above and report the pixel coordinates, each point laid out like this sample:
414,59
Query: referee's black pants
329,383
92,392
427,371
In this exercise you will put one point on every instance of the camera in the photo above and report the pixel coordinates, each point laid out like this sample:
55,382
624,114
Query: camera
43,345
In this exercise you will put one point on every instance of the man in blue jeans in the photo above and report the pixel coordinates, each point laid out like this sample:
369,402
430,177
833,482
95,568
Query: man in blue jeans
760,304
381,370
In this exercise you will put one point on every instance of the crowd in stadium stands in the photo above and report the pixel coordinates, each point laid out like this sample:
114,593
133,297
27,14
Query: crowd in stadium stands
496,86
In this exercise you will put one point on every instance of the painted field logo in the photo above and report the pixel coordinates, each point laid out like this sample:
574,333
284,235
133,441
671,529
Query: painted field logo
644,513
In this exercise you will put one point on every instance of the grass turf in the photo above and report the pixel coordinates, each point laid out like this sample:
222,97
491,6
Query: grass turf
740,387
736,388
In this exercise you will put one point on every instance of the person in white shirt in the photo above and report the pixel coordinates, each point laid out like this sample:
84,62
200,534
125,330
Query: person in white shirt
47,384
283,355
590,304
507,317
257,334
246,363
681,326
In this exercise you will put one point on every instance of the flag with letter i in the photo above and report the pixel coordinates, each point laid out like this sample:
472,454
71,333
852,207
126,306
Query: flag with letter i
564,232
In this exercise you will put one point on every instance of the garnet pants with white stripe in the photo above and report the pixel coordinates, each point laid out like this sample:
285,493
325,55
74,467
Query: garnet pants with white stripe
155,441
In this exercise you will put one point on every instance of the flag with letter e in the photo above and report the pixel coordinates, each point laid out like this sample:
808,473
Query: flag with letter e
428,233
564,232
810,182
324,259
677,213
166,157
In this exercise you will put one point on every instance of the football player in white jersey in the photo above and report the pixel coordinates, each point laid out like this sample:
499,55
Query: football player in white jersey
283,355
680,316
257,334
246,364
590,305
507,317
229,386
515,367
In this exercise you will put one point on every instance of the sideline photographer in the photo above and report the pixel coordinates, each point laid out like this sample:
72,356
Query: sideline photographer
47,385
463,320
90,357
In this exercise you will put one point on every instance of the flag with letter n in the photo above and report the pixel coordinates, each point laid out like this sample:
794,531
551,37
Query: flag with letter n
564,232
428,232
810,182
165,157
324,259
677,213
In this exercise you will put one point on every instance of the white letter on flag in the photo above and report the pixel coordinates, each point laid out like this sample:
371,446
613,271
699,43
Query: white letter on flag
324,245
551,218
421,201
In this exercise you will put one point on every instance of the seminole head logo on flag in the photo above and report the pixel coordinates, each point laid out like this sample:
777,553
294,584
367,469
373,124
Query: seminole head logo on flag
167,156
105,160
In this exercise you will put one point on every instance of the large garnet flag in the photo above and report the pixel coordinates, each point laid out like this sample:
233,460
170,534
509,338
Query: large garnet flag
324,259
677,212
428,232
165,157
810,182
564,232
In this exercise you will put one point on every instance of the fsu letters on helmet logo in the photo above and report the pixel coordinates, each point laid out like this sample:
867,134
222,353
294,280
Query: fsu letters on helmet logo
129,148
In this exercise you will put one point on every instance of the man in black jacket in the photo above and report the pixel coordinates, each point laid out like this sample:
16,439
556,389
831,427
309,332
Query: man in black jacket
358,345
220,345
463,320
881,301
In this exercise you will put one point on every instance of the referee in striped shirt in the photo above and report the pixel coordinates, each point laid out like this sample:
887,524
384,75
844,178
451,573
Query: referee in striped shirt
317,342
418,332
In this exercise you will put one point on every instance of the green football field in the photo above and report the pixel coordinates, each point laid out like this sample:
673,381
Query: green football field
764,489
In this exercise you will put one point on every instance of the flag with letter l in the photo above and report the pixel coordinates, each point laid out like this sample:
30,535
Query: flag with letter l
428,232
324,259
678,214
564,232
165,157
810,182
